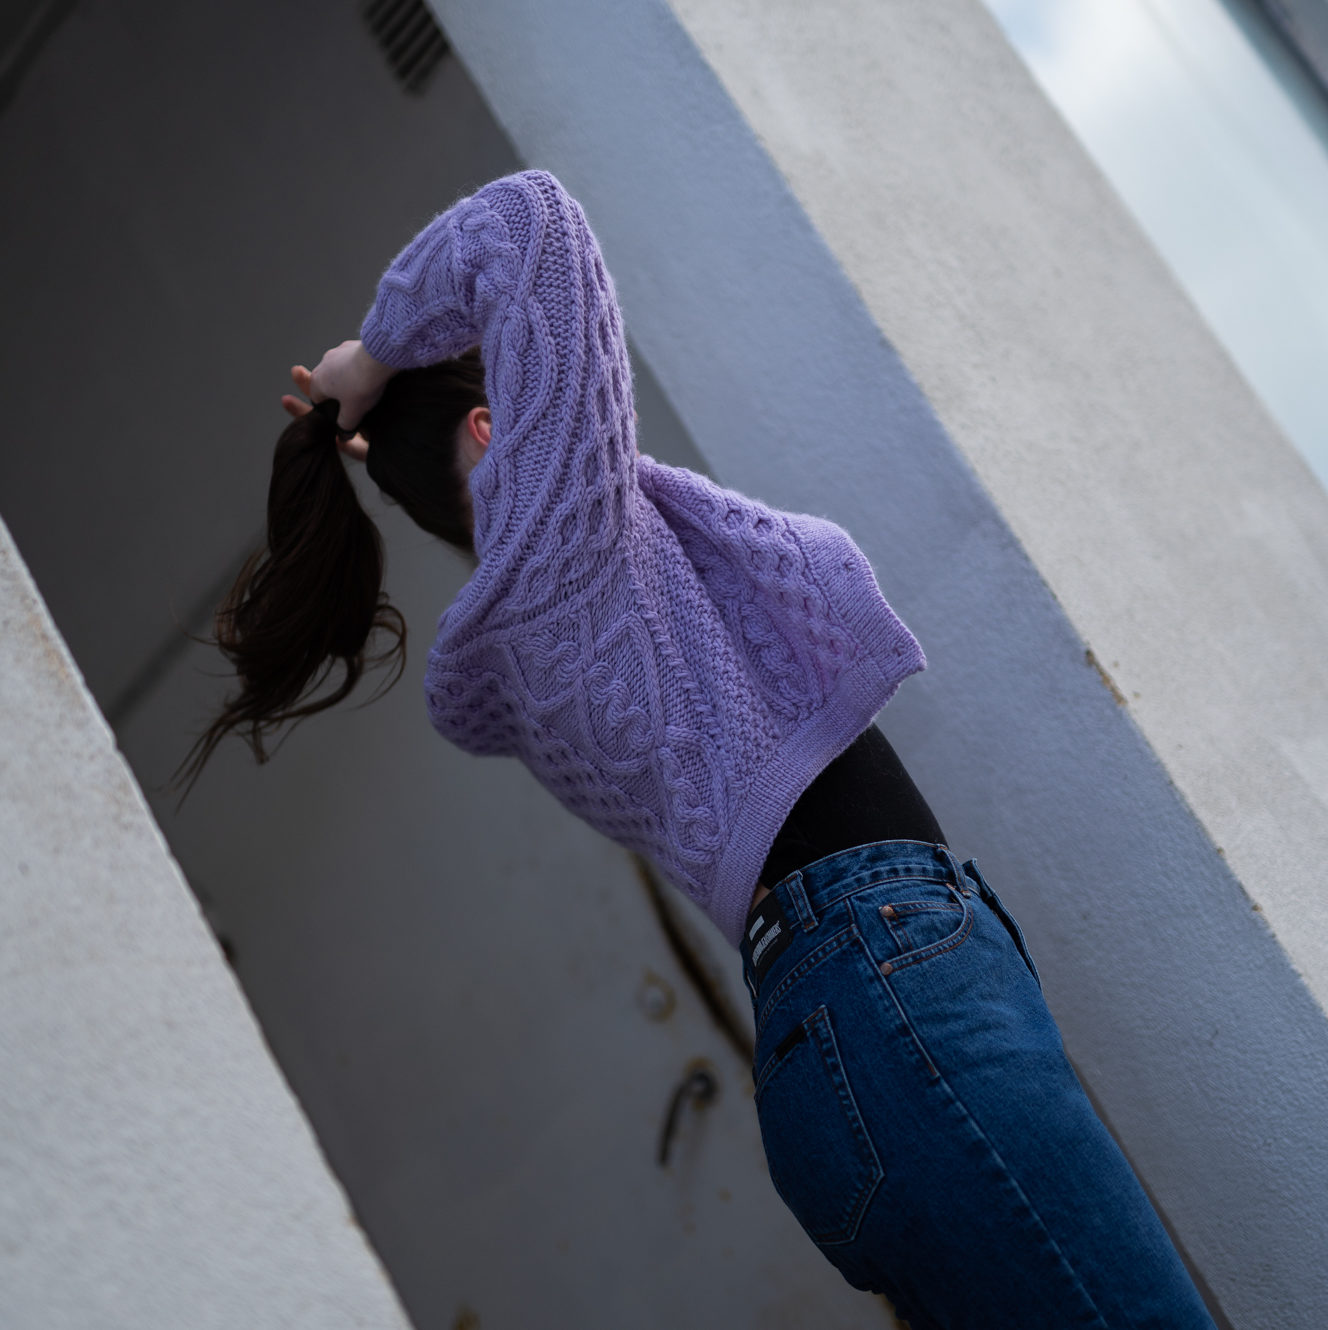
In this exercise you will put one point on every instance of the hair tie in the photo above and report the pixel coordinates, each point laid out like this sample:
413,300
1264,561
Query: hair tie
328,409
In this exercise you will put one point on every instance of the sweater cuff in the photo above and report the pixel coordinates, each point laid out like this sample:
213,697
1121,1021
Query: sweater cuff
377,342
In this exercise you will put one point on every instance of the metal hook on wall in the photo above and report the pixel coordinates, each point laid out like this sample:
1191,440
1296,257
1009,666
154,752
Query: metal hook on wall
699,1087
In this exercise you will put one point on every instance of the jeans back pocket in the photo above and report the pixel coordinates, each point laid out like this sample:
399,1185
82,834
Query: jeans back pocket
910,920
821,1160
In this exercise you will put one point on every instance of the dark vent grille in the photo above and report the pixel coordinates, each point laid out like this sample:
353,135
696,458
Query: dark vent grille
409,36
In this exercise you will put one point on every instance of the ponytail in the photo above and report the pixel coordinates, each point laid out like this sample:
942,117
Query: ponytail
308,602
313,598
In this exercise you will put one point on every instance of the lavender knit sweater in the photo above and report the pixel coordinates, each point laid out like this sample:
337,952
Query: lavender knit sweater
674,661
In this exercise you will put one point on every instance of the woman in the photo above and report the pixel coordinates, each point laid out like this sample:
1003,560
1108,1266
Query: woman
695,674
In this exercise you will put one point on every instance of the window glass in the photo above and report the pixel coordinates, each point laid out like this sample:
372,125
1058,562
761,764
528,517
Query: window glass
1217,140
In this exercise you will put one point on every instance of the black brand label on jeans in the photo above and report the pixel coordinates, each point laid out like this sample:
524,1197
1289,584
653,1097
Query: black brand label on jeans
768,933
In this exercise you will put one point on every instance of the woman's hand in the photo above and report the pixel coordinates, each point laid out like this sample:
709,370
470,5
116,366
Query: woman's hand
356,447
352,376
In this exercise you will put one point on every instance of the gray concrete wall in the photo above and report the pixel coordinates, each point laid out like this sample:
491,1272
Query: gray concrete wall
878,280
470,991
155,1170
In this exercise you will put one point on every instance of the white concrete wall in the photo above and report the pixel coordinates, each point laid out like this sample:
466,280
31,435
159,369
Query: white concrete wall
1186,541
878,280
155,1171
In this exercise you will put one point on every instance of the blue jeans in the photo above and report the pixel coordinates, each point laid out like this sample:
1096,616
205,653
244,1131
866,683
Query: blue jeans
920,1118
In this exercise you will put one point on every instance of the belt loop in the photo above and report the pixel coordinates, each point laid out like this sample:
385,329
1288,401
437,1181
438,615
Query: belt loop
961,878
797,897
972,871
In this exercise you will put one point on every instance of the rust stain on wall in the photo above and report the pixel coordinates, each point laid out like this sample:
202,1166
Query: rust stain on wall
1107,681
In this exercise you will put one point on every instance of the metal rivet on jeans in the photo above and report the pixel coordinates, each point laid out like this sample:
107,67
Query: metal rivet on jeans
887,968
887,911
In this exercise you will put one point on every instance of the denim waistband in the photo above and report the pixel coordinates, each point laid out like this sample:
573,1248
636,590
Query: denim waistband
806,893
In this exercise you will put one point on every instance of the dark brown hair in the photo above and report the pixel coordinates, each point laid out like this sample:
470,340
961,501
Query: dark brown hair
313,598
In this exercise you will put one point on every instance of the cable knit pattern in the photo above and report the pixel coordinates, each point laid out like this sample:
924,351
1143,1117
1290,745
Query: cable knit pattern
676,662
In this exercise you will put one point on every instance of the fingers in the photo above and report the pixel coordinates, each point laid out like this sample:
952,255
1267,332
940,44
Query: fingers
337,365
356,447
303,379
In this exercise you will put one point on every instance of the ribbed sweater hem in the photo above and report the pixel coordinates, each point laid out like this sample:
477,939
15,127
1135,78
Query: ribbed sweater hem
890,655
860,694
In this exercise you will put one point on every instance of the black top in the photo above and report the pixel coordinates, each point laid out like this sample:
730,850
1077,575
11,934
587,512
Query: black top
864,795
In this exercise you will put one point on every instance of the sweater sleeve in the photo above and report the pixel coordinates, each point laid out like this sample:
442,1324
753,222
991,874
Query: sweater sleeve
516,270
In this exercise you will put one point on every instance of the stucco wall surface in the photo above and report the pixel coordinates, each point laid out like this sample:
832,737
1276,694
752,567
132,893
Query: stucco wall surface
1179,1005
1185,538
155,1172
